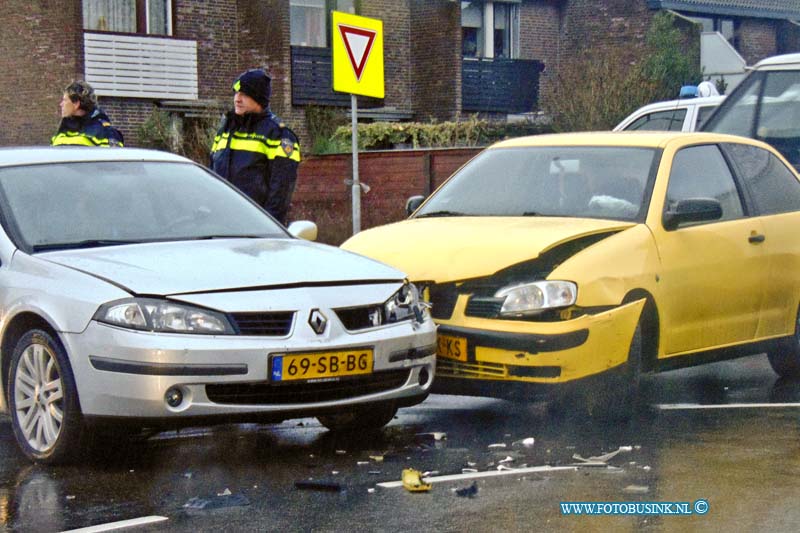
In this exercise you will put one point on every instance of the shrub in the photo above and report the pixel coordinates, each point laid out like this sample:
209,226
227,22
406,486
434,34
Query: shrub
190,137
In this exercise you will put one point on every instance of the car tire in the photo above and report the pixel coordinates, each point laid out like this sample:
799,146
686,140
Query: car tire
359,418
785,357
43,399
613,395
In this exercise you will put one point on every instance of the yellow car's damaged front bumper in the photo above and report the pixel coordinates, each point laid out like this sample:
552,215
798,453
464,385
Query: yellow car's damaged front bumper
496,352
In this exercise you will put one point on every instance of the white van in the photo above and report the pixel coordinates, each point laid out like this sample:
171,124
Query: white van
765,106
685,114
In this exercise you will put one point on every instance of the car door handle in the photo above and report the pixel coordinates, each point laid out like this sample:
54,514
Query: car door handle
756,238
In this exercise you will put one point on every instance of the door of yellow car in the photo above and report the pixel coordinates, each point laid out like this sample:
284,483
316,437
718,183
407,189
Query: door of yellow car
712,278
774,191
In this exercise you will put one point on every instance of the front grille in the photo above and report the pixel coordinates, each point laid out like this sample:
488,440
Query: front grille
443,297
484,307
458,369
305,393
272,324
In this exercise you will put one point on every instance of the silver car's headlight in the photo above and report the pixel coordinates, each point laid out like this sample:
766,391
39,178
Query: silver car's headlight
528,298
151,314
405,304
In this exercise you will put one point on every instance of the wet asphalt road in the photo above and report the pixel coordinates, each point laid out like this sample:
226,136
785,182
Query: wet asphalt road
744,460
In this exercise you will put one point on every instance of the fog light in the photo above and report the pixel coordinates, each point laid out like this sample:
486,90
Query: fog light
174,397
423,377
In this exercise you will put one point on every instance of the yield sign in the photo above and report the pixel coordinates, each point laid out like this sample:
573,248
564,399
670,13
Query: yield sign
357,55
358,42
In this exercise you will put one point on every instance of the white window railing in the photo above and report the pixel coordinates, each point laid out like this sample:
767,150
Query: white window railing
141,66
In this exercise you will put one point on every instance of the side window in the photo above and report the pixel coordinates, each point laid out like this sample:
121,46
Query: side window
703,112
309,20
701,172
774,188
671,120
150,17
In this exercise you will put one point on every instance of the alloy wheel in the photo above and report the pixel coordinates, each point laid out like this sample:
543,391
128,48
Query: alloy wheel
39,397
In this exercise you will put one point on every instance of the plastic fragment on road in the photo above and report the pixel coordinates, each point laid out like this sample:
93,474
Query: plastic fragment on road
341,452
412,481
468,470
377,458
508,459
526,442
313,484
216,502
467,492
226,492
636,489
602,458
499,445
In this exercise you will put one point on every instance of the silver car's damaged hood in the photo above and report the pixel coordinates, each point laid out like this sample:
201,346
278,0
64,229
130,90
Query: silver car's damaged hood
221,264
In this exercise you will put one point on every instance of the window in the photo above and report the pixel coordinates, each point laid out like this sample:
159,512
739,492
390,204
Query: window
772,186
728,27
703,112
701,172
671,120
153,17
502,41
309,20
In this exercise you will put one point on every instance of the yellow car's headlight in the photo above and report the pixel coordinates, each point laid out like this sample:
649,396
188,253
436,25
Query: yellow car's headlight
529,298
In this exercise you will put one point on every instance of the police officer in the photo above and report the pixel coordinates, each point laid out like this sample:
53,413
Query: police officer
254,150
82,122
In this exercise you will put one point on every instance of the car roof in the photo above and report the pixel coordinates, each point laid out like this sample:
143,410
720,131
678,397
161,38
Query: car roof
641,139
778,62
683,102
32,155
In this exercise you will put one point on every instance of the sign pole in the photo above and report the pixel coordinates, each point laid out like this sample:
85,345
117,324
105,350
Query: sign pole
356,182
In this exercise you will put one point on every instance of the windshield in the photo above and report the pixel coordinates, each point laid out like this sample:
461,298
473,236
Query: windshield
74,205
565,181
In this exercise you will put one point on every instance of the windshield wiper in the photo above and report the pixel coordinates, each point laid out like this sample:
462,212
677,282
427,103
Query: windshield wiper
88,243
441,214
242,236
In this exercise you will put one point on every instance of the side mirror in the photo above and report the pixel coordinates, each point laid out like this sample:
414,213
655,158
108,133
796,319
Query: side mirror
303,229
413,203
692,210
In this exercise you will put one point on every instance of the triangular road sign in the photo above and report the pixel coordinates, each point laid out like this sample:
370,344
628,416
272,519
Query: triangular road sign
358,42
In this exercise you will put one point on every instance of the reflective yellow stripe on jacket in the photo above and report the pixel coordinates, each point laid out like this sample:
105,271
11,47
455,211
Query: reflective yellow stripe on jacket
253,142
77,139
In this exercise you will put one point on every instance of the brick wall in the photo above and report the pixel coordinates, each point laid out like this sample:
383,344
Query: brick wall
591,24
322,196
758,39
36,69
435,59
540,37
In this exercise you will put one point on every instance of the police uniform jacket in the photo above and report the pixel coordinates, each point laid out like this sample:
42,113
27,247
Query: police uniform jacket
260,156
92,129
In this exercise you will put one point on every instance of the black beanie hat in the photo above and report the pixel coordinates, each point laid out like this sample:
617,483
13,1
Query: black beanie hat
256,84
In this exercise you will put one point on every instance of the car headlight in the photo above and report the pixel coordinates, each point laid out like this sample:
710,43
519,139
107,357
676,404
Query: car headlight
405,304
528,298
151,314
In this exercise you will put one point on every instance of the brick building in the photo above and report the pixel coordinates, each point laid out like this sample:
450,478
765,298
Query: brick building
441,62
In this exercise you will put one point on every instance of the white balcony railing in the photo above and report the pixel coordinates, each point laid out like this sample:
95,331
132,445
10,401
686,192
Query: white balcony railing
141,66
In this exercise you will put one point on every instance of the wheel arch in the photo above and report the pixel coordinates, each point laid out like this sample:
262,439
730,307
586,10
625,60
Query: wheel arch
15,329
651,330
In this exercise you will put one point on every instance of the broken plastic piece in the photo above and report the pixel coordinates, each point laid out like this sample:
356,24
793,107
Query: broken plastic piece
377,458
508,459
226,492
434,435
216,502
497,445
467,492
637,489
468,470
412,481
311,484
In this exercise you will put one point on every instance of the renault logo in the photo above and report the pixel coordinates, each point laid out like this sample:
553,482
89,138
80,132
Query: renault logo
317,321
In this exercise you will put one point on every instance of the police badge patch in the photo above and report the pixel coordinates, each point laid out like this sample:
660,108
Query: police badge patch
288,146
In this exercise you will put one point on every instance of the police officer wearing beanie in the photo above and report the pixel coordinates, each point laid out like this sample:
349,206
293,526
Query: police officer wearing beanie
254,150
82,122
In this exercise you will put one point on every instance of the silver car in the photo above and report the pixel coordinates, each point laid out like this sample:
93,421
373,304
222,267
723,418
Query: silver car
136,286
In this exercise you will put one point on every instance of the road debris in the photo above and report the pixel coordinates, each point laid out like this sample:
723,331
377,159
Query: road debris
412,481
527,442
314,484
636,489
467,492
226,492
508,459
435,435
216,502
602,458
478,475
496,446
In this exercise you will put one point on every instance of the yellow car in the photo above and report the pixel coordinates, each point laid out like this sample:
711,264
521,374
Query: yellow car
563,266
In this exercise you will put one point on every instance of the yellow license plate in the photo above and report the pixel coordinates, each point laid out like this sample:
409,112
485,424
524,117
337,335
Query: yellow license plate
452,347
321,365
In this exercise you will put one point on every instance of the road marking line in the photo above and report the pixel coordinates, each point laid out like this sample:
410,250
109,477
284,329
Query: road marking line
677,406
475,475
111,526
